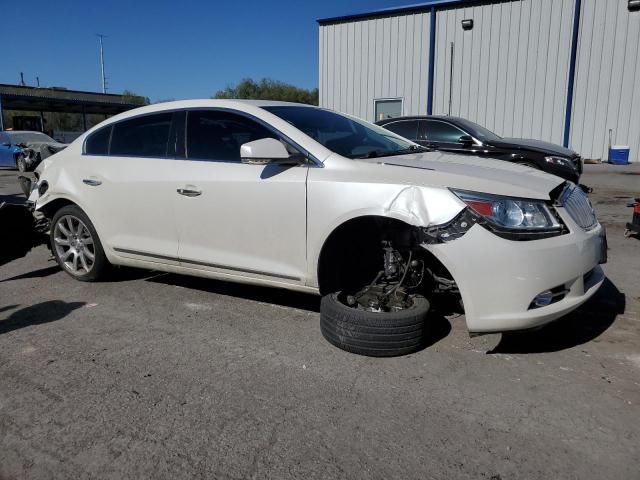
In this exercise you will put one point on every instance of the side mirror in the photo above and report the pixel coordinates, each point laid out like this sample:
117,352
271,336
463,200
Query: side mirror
466,141
266,151
6,144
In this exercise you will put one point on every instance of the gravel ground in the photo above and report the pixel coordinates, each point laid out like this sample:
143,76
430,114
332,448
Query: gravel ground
163,376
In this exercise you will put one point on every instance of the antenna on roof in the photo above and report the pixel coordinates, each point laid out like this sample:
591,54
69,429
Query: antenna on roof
22,79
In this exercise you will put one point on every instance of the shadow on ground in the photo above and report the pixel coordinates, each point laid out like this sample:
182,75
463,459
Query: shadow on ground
581,326
37,314
286,298
40,273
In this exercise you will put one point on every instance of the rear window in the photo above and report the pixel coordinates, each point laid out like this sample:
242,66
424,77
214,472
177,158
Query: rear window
98,142
146,136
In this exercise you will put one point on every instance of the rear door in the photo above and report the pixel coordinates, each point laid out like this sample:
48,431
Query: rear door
234,218
130,185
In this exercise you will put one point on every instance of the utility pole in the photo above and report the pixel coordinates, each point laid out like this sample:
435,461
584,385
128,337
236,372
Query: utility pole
104,78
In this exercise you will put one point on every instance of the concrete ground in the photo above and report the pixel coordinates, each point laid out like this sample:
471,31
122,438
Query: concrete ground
163,376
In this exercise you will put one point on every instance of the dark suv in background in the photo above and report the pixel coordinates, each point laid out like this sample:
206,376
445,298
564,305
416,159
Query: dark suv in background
458,135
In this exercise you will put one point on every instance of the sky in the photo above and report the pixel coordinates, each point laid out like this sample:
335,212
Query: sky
166,49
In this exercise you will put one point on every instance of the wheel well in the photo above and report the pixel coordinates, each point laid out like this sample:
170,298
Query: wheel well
50,209
352,255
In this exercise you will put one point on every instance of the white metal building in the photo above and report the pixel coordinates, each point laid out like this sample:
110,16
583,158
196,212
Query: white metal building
565,71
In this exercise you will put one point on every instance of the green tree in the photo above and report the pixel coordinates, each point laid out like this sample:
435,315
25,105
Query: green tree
132,97
267,89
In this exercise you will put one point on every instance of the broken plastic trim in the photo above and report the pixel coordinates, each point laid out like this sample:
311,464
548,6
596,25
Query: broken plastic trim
446,232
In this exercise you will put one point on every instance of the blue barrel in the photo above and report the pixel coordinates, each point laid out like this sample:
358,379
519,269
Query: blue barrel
619,155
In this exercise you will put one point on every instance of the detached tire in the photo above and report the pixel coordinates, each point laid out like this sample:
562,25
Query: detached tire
372,333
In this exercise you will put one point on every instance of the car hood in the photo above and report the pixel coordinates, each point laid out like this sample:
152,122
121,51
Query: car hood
474,174
534,145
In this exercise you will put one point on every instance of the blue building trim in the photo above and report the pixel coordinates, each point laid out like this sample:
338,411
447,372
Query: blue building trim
417,7
432,60
572,72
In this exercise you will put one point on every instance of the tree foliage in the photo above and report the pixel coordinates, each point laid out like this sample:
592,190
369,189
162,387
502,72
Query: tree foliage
133,98
267,89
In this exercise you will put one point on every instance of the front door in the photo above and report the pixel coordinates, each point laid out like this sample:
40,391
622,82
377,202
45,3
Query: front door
234,218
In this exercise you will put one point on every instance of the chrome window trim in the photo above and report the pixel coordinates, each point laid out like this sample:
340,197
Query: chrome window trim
315,163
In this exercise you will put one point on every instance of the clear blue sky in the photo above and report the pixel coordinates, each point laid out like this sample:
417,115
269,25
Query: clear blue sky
166,49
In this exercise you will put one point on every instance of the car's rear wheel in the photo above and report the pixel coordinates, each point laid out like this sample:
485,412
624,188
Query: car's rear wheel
76,246
374,333
21,163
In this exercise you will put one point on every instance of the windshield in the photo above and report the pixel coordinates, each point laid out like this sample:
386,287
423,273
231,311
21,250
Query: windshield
477,131
26,137
343,135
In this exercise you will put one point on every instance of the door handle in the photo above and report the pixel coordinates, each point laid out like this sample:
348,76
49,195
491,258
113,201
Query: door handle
91,182
189,192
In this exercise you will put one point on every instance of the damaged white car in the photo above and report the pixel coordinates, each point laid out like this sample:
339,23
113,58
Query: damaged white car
303,198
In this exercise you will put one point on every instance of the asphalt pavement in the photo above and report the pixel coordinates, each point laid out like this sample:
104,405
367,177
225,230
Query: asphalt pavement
158,376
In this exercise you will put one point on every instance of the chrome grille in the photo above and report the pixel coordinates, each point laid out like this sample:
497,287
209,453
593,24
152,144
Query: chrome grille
577,204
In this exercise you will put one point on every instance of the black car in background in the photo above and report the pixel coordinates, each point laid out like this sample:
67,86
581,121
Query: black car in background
458,135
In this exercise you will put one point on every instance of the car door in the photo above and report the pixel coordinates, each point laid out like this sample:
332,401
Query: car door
236,218
442,135
128,185
405,128
6,151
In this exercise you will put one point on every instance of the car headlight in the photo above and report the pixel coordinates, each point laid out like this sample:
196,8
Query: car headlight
560,161
513,215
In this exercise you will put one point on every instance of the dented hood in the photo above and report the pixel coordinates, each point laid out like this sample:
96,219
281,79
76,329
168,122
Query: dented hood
474,174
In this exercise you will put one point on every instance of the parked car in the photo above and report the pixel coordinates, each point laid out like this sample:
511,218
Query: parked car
24,150
458,135
303,198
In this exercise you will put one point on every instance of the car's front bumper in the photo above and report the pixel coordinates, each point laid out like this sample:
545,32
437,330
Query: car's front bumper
499,278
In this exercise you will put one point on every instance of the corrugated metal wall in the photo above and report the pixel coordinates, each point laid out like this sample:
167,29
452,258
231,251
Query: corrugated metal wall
607,86
510,71
376,58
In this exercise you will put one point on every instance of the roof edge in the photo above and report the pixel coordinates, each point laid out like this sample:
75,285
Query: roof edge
417,7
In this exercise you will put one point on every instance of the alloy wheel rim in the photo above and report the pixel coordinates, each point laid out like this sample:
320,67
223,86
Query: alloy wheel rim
74,245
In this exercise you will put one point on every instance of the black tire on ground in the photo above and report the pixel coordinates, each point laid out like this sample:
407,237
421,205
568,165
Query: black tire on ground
21,164
101,266
372,333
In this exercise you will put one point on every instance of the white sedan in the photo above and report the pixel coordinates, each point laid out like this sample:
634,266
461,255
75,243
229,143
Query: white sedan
303,198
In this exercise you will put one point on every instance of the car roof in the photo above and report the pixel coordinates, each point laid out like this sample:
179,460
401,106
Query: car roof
239,104
420,117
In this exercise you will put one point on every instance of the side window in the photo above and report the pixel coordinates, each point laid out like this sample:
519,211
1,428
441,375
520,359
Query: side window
216,135
407,129
146,136
442,132
98,142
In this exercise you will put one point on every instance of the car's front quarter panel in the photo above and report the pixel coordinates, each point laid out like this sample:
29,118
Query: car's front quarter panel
346,189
